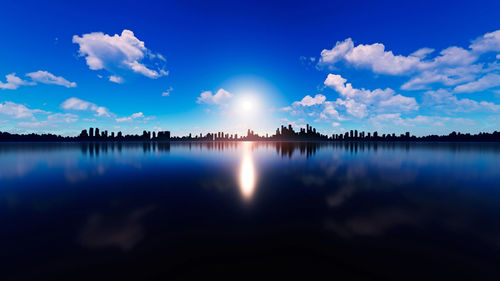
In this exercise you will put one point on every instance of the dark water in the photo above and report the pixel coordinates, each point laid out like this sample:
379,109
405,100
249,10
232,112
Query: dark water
314,211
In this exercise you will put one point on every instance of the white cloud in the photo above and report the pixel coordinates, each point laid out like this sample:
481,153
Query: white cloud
116,79
138,115
353,107
376,58
41,76
131,117
380,61
46,77
427,124
337,53
18,111
487,42
488,81
329,112
443,100
422,53
314,106
453,56
310,101
13,82
449,76
117,53
399,103
81,105
53,120
452,66
286,109
167,92
371,56
358,102
220,98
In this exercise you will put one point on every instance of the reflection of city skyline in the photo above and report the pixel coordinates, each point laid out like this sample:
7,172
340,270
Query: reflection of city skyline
283,149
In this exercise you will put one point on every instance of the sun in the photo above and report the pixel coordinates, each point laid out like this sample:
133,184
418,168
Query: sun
248,111
247,106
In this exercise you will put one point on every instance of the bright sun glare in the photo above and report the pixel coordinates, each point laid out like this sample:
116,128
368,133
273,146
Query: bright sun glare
247,106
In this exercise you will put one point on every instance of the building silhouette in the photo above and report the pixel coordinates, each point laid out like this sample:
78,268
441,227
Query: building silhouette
284,133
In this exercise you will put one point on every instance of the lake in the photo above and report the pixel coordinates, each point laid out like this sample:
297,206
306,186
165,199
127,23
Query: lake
328,211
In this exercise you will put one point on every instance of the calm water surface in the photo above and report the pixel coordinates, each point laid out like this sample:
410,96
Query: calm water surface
249,210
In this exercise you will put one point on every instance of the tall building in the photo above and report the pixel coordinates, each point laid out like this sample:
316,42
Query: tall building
91,132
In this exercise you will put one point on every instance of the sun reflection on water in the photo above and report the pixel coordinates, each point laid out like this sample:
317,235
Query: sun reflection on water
247,172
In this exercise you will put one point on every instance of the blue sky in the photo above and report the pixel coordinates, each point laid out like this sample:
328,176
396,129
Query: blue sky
200,66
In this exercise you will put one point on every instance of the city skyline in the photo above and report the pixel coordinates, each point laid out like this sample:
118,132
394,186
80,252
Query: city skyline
197,67
283,133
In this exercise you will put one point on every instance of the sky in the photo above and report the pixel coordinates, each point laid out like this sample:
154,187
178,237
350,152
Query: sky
428,67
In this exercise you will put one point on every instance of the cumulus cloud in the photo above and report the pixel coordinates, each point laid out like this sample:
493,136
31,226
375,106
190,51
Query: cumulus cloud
447,76
41,76
389,120
46,77
329,112
400,103
53,120
118,54
486,82
316,106
422,53
138,115
358,102
310,101
116,79
337,53
373,56
376,58
220,98
444,100
353,107
18,111
81,105
488,42
13,82
451,66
